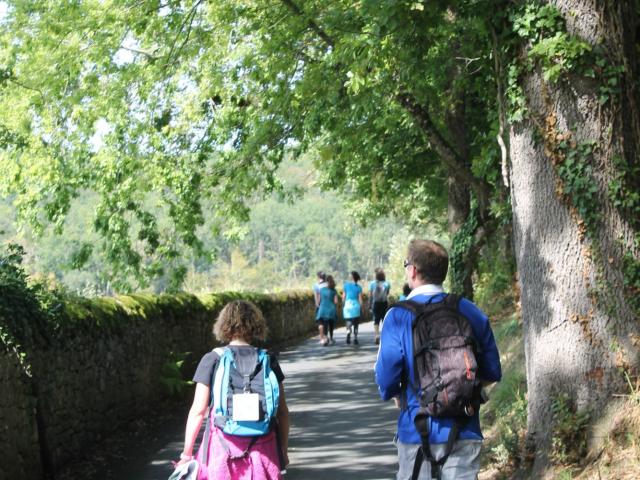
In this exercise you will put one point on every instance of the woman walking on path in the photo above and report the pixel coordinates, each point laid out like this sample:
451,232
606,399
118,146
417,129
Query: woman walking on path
352,310
378,300
234,457
327,312
319,285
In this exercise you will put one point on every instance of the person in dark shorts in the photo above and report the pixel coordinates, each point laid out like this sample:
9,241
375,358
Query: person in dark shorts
378,300
406,290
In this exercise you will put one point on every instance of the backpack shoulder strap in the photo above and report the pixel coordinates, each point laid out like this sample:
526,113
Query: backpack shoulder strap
220,380
453,300
216,385
271,386
263,355
263,361
411,305
220,351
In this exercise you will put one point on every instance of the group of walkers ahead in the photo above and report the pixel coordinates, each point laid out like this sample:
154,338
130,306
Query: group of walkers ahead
327,300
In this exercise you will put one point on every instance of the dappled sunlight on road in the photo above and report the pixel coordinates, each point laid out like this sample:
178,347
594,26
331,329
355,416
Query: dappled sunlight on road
340,427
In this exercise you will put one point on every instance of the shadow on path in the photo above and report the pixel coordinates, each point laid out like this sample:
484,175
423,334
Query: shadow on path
340,427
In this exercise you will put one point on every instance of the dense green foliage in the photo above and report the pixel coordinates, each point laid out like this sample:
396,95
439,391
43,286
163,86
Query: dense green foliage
183,111
25,307
31,314
281,246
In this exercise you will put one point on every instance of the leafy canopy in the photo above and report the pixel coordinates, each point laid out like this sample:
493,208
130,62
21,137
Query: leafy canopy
169,106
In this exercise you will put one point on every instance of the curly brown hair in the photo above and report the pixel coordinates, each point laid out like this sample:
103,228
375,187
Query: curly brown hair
240,319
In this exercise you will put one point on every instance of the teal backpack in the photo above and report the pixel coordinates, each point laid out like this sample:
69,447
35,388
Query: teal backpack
258,379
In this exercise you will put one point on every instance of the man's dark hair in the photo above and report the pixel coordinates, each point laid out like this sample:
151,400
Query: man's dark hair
430,259
356,276
321,275
380,276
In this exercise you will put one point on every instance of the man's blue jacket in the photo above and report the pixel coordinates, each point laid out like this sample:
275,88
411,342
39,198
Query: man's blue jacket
395,362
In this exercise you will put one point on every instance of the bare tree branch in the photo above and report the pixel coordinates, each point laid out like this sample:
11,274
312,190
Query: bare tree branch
501,111
189,17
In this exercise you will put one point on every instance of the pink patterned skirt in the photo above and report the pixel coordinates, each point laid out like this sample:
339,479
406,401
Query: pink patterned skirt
226,461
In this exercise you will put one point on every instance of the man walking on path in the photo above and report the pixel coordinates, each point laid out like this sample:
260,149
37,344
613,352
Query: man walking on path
426,268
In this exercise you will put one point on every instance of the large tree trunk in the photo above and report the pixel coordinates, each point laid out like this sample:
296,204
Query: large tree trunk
580,328
459,197
458,209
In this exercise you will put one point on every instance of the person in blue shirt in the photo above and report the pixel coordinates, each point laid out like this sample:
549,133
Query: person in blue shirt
352,309
322,282
425,269
406,290
378,300
319,285
327,312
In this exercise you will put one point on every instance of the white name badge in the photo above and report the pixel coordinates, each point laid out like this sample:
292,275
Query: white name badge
246,407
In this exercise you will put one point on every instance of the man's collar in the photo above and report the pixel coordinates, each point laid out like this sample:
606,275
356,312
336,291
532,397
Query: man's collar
428,289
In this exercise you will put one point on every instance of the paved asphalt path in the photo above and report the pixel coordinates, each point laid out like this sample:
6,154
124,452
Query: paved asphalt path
340,429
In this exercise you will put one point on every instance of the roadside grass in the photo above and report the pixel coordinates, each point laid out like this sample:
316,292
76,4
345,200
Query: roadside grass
504,416
619,456
504,419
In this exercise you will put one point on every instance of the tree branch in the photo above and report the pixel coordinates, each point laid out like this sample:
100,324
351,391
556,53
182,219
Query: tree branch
189,17
310,22
447,153
27,87
501,111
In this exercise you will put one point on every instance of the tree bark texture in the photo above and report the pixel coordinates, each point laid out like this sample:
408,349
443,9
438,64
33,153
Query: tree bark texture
579,328
459,196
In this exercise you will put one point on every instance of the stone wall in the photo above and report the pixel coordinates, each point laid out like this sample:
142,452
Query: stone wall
19,446
106,369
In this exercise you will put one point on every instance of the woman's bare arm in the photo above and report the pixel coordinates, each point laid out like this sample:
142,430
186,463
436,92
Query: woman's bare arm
283,425
194,421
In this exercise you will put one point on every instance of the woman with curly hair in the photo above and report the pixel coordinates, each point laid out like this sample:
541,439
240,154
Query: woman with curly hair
234,457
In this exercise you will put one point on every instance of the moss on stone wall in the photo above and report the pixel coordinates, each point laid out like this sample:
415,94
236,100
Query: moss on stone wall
99,363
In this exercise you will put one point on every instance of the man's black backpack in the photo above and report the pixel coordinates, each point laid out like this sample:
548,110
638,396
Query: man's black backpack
444,361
